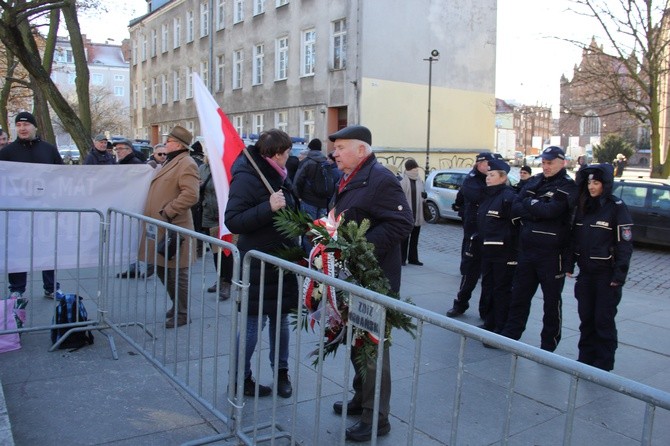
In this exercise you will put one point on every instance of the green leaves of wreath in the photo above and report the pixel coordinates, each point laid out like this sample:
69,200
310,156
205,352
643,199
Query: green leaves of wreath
357,257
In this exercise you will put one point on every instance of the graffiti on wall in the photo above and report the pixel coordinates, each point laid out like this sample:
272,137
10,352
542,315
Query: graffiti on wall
396,163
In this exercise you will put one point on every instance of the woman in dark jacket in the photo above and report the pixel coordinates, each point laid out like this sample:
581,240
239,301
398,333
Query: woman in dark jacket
249,213
602,247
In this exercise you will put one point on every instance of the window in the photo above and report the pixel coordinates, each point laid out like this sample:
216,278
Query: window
279,3
204,19
259,7
238,11
164,89
660,198
281,58
281,121
237,69
258,124
118,91
63,55
189,26
176,85
97,79
220,65
145,94
204,73
339,44
258,65
134,52
238,123
154,91
189,82
119,77
145,44
164,38
634,196
220,14
590,124
176,37
307,54
308,124
154,42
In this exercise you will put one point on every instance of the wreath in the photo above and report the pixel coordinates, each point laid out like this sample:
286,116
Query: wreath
339,250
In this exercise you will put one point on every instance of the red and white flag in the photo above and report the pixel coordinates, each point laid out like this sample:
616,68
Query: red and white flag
222,145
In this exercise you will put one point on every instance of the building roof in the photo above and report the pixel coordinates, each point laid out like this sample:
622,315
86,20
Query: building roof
104,54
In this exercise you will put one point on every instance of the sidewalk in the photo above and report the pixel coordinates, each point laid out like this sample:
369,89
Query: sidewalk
86,397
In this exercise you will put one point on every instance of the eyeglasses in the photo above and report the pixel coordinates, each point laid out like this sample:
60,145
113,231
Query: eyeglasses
160,154
117,148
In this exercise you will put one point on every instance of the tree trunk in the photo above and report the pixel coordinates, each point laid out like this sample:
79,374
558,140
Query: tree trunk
19,37
81,65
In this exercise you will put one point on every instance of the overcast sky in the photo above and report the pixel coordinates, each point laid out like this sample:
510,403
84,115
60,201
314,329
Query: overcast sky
530,59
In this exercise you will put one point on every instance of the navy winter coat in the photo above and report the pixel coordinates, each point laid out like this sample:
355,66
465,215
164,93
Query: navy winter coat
248,214
374,193
31,151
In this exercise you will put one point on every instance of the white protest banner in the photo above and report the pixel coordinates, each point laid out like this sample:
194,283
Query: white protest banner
44,186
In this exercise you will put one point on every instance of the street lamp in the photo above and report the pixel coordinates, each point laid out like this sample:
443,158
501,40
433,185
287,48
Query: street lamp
434,55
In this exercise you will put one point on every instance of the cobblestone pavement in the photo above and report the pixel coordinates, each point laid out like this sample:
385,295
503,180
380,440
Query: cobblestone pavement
648,268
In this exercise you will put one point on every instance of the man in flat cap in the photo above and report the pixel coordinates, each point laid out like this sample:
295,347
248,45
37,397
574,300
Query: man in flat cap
29,148
173,191
370,191
99,154
545,207
125,153
467,202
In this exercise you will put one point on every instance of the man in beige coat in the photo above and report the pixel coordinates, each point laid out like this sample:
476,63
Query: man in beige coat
174,189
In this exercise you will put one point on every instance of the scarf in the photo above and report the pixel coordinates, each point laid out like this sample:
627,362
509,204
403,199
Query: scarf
172,155
280,170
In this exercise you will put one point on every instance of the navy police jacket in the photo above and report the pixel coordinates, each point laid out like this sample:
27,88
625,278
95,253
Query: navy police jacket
602,234
545,209
473,191
497,231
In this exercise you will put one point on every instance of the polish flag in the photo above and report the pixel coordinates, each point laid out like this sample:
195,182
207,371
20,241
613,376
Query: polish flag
222,145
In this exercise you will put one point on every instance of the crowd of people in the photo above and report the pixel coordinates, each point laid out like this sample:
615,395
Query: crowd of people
514,238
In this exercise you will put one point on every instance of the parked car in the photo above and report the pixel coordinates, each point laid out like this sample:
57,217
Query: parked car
570,162
69,155
517,159
649,204
441,189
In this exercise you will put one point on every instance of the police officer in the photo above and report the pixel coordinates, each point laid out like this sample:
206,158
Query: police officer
545,207
602,247
498,236
467,201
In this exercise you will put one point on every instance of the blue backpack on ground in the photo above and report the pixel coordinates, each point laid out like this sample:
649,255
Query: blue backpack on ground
66,312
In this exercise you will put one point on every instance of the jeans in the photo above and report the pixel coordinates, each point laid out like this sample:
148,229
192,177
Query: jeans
252,337
18,281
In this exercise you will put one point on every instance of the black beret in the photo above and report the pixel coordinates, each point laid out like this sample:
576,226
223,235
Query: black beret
527,169
353,132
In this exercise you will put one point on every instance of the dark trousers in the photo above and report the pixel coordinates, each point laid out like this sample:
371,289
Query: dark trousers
176,289
597,306
497,279
411,245
365,388
546,272
18,281
226,271
471,267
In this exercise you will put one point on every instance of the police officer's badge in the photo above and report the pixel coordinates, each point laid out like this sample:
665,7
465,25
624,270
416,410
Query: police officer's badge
626,233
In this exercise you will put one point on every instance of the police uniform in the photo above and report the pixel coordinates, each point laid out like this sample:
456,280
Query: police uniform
499,250
602,248
470,194
544,207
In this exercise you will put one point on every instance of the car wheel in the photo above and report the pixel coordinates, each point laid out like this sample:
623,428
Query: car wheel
433,213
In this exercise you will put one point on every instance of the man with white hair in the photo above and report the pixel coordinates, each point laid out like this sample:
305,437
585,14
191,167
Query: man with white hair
370,191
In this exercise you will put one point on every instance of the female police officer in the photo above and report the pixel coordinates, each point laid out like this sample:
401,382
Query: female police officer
602,248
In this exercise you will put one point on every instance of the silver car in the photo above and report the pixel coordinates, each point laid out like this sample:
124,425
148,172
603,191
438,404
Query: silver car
441,189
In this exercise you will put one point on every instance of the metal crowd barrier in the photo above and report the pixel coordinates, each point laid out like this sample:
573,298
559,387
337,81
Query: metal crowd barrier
59,237
202,358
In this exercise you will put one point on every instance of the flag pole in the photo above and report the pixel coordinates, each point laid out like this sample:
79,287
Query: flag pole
263,179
